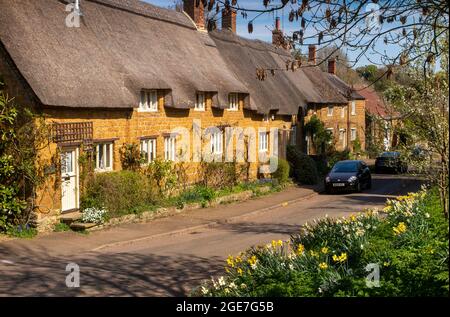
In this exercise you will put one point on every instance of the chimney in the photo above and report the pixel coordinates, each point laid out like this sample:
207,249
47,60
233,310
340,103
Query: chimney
229,20
196,10
312,54
332,66
277,34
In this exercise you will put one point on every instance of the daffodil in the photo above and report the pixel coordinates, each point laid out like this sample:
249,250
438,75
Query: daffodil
340,258
323,266
313,253
300,249
230,261
324,250
240,272
399,229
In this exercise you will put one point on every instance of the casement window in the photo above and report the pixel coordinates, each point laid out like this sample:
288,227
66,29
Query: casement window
104,157
233,102
149,101
330,111
170,148
353,134
148,150
331,131
200,103
294,135
353,108
263,141
217,143
343,112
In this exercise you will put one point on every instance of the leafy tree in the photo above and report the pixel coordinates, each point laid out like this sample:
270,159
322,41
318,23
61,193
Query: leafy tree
321,138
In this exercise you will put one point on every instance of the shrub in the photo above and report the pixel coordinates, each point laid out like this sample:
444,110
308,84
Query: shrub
337,156
120,193
130,157
197,193
162,175
282,172
409,245
304,168
222,175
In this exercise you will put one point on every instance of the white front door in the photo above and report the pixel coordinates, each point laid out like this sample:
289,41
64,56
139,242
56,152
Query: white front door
69,182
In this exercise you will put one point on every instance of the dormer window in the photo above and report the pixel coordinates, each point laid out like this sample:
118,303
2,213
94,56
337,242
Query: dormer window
149,101
200,103
233,102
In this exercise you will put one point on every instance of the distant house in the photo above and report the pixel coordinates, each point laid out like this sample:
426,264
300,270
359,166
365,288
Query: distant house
338,106
381,122
136,73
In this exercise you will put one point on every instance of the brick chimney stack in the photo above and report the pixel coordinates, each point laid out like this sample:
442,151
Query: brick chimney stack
312,54
332,66
277,34
196,10
229,20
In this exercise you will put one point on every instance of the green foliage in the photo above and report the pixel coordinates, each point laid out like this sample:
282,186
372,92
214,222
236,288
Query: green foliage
130,156
24,232
337,156
329,258
199,193
222,175
321,137
303,167
162,175
22,135
282,172
61,227
119,193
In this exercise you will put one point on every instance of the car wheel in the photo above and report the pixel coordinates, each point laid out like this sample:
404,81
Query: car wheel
358,187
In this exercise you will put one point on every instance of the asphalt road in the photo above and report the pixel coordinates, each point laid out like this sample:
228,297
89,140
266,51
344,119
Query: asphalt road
172,265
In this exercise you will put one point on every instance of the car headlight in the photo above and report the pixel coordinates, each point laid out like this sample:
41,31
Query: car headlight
352,179
327,179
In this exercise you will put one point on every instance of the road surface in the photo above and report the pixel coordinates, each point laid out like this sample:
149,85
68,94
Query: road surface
172,265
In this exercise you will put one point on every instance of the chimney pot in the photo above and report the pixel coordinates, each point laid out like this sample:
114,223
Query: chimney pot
196,10
312,54
332,66
229,19
278,24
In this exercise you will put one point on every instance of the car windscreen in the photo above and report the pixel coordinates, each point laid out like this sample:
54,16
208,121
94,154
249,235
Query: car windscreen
345,167
390,154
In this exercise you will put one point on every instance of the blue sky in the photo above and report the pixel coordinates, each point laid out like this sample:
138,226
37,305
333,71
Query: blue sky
265,23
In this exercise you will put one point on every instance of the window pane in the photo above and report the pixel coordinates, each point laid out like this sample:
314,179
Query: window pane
101,156
108,155
143,100
154,101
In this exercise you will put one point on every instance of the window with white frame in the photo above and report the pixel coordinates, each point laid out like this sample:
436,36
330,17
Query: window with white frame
149,101
200,103
343,112
170,148
104,157
294,135
233,102
353,134
353,108
217,142
331,131
148,150
263,141
330,111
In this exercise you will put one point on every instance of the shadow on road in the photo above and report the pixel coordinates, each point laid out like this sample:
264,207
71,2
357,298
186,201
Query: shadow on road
121,274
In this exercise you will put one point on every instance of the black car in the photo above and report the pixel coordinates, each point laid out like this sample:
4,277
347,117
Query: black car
349,176
390,162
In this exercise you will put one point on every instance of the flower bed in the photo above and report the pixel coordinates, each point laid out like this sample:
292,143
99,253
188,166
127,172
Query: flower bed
407,247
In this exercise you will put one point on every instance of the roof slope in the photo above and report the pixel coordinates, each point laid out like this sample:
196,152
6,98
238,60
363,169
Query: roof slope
344,88
121,47
244,56
326,90
375,105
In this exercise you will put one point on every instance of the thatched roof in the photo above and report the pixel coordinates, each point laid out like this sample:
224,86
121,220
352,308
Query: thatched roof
244,56
325,91
349,92
122,46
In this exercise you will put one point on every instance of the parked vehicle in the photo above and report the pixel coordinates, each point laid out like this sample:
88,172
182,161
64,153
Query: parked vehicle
349,175
390,162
